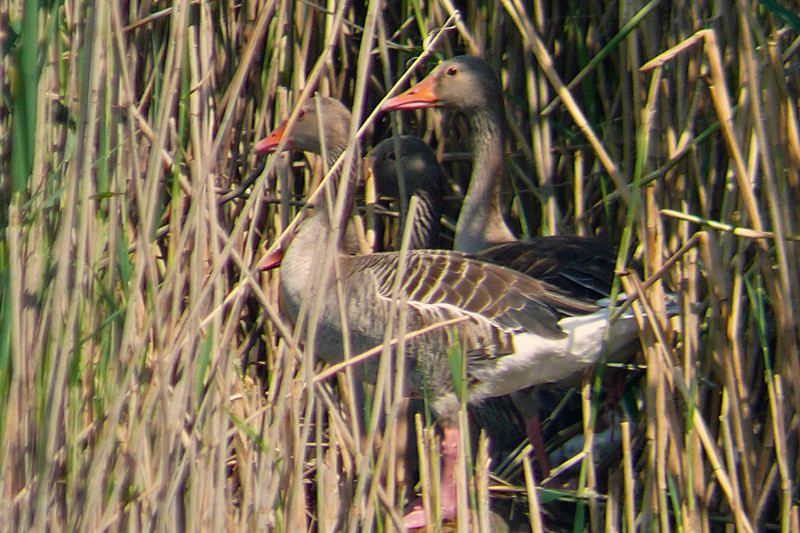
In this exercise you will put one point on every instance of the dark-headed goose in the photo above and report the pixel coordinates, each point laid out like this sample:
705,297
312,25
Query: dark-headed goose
514,331
409,159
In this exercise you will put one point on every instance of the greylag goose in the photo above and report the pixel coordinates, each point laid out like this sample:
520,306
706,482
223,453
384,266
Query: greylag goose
514,330
468,85
581,267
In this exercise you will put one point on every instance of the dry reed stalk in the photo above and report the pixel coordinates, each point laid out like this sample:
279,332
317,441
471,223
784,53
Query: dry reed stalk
534,509
588,464
546,62
130,303
629,482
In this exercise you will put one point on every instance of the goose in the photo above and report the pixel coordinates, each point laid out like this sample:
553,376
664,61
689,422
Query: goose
513,331
581,267
468,85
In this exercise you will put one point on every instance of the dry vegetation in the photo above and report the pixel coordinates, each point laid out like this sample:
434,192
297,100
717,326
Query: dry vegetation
147,379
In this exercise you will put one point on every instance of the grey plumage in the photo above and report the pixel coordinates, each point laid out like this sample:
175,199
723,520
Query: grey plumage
583,268
496,303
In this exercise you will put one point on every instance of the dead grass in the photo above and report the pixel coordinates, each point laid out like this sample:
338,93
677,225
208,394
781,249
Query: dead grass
149,381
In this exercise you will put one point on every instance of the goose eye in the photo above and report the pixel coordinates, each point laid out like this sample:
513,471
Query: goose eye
301,114
390,156
452,71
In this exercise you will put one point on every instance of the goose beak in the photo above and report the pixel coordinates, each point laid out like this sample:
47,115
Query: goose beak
419,96
369,168
369,179
271,261
270,143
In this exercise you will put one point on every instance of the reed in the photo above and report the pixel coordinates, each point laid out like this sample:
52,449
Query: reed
148,379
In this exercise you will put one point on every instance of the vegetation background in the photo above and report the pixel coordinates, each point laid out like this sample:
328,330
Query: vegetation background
147,379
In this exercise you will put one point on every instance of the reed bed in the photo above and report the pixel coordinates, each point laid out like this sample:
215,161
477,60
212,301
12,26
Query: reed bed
148,379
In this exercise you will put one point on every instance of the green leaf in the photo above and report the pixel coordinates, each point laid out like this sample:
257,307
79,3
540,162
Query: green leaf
455,356
24,119
781,12
202,365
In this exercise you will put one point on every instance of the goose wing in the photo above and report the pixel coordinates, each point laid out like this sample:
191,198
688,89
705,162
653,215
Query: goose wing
581,267
511,301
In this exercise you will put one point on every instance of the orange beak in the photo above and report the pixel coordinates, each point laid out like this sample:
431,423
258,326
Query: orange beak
270,143
419,96
271,261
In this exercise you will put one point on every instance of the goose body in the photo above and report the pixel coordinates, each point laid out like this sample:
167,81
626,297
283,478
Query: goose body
578,266
407,159
516,331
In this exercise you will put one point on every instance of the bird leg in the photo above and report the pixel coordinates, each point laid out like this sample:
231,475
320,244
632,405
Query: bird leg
527,403
535,431
616,387
415,517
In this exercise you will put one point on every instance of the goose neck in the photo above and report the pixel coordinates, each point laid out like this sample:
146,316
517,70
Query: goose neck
297,261
427,219
336,186
481,223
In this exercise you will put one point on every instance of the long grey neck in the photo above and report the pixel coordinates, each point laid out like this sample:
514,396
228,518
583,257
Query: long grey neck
480,223
297,262
337,186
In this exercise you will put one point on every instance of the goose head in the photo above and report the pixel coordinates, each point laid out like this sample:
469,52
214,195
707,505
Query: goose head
464,83
304,135
408,154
